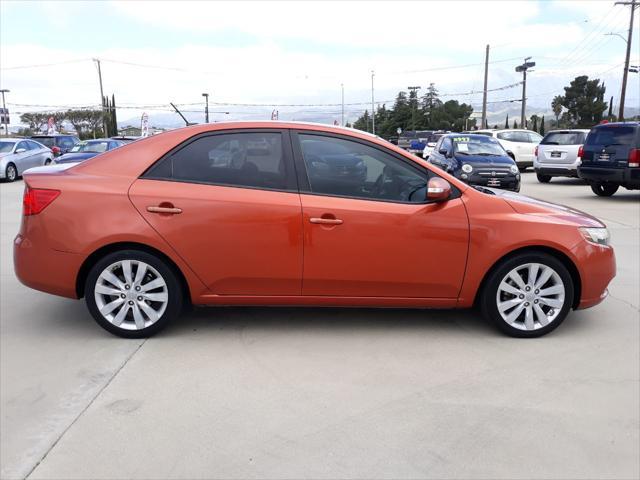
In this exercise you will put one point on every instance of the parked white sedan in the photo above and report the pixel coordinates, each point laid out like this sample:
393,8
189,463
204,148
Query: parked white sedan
19,154
519,144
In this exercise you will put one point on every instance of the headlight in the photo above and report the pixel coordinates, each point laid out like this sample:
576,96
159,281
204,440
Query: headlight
466,168
513,169
599,236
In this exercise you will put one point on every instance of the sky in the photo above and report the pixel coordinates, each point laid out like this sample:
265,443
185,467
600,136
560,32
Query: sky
273,54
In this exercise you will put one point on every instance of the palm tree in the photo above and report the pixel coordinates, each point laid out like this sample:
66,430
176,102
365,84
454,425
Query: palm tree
556,105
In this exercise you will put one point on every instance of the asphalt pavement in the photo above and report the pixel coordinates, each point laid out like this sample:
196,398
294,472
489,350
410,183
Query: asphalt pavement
324,393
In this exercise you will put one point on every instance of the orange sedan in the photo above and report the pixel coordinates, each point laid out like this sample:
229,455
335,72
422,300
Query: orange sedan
285,213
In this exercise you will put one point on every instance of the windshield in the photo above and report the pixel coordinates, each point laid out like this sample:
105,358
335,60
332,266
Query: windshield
564,138
6,146
90,147
477,146
434,137
612,135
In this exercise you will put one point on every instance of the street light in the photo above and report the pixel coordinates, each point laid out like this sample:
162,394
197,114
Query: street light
5,114
523,68
206,108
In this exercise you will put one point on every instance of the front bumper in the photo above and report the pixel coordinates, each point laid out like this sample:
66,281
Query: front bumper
507,182
625,176
597,267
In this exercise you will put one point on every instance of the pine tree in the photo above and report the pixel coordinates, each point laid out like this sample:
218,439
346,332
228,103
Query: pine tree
506,122
542,126
515,124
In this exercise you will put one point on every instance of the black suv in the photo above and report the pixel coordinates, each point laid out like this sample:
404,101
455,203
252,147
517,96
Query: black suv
59,143
611,158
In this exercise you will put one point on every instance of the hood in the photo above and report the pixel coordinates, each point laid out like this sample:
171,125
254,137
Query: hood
533,206
486,160
75,157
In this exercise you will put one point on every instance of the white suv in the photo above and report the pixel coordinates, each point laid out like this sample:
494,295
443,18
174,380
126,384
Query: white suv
519,144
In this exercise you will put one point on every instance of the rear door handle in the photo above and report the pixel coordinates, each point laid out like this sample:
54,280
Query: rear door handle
168,210
326,221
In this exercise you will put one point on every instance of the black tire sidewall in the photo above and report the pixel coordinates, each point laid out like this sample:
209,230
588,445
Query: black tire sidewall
6,173
489,306
543,178
174,306
603,189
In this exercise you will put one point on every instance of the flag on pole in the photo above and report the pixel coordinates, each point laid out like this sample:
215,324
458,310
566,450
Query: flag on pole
144,125
274,115
51,126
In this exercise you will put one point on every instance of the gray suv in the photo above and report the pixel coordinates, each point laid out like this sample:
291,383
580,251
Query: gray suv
557,154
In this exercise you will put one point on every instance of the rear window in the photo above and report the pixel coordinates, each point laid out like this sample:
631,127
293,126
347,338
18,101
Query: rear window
564,138
613,135
47,141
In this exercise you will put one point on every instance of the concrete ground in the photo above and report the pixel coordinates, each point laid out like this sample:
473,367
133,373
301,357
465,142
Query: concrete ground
324,393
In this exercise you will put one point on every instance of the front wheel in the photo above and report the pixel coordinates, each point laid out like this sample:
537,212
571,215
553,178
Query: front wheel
133,294
604,189
543,178
528,295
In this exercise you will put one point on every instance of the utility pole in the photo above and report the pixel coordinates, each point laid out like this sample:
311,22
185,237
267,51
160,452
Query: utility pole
373,113
523,68
104,122
483,122
415,105
4,110
342,87
206,107
625,74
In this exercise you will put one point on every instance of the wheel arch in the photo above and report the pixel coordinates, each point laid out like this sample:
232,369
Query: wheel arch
94,257
559,255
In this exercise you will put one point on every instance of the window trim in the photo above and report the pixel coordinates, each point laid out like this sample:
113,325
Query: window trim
303,179
287,157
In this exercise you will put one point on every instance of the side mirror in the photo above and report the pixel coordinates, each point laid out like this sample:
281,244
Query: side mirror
445,152
438,190
21,150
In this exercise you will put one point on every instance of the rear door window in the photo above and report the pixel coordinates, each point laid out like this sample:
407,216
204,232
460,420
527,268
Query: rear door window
254,160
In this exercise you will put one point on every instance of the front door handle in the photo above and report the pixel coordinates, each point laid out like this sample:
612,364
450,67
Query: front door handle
326,221
166,210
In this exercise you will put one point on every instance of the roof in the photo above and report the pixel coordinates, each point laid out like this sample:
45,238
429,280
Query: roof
10,139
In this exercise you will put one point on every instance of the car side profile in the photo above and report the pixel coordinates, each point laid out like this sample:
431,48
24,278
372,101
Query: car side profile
520,144
59,143
19,154
286,213
86,149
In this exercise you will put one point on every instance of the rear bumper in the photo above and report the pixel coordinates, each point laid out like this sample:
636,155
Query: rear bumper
627,177
39,267
556,169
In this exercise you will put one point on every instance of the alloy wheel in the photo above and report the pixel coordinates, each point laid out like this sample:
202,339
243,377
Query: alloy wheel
11,173
530,296
131,294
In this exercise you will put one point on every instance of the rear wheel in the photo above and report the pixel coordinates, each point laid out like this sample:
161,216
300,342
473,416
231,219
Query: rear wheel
47,161
528,295
543,178
604,189
133,294
11,173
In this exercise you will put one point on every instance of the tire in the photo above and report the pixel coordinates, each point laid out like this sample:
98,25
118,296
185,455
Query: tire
47,161
526,314
604,189
134,312
522,169
543,178
11,173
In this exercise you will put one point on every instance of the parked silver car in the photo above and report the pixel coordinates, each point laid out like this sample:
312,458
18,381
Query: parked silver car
557,154
19,154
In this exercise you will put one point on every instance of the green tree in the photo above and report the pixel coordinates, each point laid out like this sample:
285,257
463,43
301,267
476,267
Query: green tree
584,101
35,120
542,126
86,122
362,123
515,124
506,122
556,106
534,122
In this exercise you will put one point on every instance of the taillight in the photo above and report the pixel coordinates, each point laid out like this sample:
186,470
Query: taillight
634,157
536,152
580,152
37,199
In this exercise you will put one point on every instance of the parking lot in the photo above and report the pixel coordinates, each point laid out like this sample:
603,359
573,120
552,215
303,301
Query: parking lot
325,393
